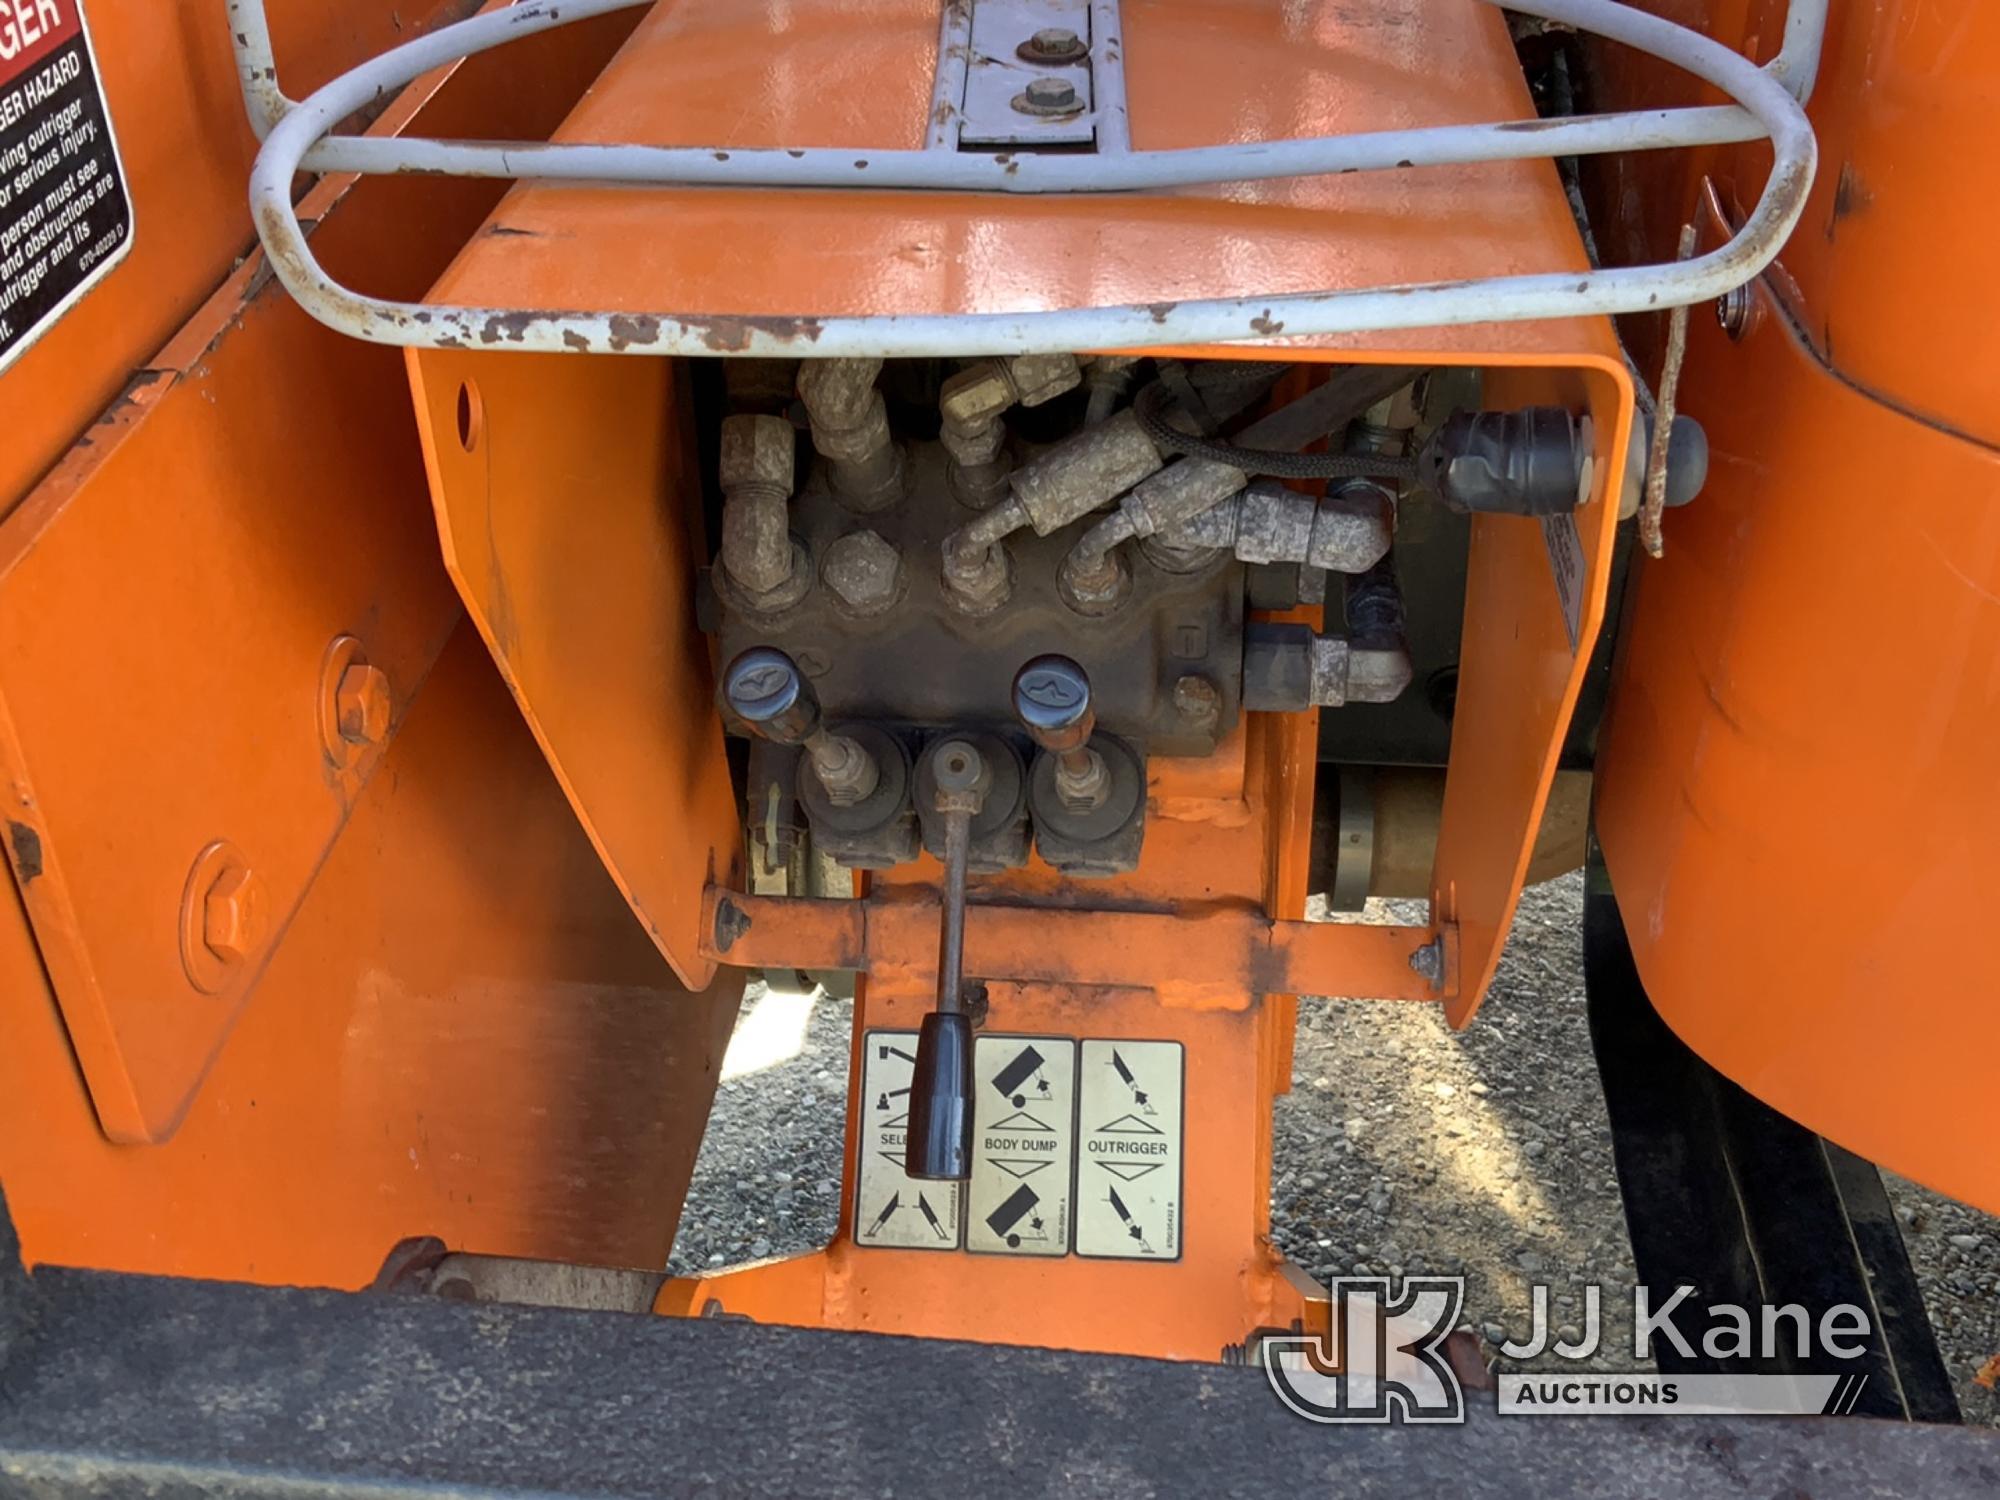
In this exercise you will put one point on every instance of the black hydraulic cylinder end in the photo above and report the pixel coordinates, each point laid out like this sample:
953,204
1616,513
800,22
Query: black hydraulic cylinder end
938,1144
1509,463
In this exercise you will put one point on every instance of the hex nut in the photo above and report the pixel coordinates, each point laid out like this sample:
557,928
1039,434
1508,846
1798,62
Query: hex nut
362,705
1197,702
756,451
980,584
1095,591
863,572
1048,97
235,915
1051,93
1053,44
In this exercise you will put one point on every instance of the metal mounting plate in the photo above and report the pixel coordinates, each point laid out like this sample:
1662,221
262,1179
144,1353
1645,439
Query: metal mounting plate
996,74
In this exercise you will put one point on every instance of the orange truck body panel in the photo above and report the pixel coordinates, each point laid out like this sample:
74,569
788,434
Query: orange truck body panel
488,1001
1795,794
546,477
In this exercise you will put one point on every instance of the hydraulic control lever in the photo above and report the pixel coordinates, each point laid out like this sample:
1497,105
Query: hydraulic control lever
1052,701
938,1142
766,690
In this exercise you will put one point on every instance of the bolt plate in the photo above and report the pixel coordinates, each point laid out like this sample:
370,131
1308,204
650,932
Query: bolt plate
996,75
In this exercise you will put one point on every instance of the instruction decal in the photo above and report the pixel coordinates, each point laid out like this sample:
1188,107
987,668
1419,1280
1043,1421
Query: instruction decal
892,1208
1128,1191
65,210
1023,1145
1565,544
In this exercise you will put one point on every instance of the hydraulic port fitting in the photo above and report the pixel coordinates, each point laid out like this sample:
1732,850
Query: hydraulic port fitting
938,1142
1052,701
765,689
766,569
850,430
971,405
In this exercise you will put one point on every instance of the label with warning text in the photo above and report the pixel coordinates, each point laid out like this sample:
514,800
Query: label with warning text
891,1208
65,209
1023,1145
1130,1129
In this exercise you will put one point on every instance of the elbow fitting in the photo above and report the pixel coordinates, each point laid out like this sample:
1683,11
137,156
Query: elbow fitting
971,406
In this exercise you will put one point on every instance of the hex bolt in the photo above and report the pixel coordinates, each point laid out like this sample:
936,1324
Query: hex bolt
1053,44
1051,93
235,914
766,690
864,572
1198,703
1048,96
1052,701
361,705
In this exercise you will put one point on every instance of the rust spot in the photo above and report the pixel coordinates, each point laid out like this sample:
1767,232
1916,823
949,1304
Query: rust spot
511,328
1583,285
628,329
1850,197
1406,163
1531,127
574,340
27,844
720,155
1160,310
794,153
732,335
1264,323
731,922
861,165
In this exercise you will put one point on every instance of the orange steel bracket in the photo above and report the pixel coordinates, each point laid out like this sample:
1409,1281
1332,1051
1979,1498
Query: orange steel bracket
564,491
1133,957
1195,956
171,595
1528,586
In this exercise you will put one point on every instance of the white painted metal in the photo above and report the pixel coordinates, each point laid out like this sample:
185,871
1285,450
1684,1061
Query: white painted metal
298,142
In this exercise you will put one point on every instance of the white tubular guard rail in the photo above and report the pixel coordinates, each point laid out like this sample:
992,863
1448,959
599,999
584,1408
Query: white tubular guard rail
298,139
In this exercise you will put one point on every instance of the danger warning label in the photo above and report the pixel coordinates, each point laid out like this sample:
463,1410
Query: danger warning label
65,212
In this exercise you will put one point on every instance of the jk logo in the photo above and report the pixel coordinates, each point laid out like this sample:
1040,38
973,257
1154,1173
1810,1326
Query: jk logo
1388,1362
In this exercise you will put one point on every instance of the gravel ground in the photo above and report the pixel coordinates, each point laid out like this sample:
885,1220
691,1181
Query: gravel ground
1402,1146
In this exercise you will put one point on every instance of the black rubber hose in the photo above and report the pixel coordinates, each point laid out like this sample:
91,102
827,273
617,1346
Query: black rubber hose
1152,419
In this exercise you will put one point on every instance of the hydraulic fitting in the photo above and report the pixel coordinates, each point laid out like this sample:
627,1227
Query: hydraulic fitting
971,405
767,570
766,690
1052,701
850,430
